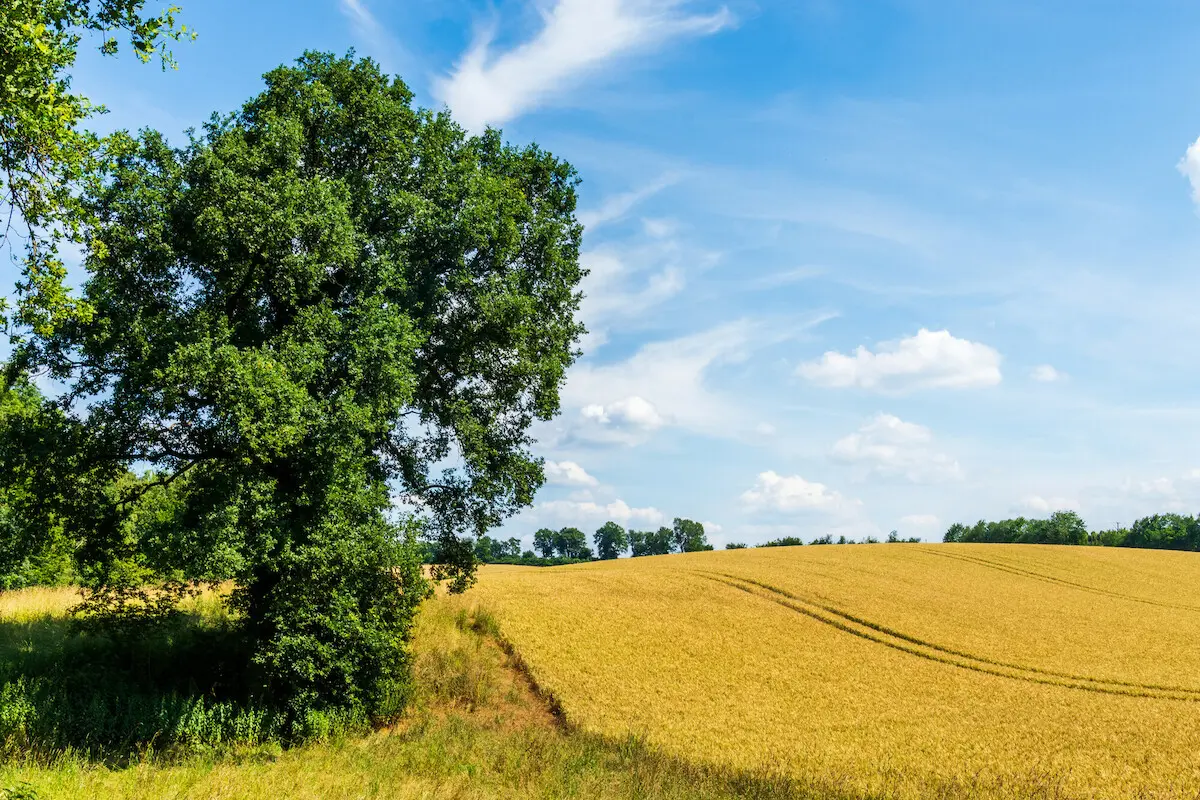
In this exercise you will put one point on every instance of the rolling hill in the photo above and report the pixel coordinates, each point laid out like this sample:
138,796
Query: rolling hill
911,670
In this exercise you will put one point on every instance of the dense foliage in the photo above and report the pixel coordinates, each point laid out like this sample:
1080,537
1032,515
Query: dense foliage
1063,527
1157,531
326,297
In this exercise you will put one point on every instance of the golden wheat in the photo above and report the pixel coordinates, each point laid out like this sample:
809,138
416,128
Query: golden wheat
891,668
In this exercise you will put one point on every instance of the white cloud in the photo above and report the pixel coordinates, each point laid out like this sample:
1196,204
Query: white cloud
1046,505
630,415
923,521
775,492
887,445
585,513
568,473
1044,373
930,359
577,38
1189,166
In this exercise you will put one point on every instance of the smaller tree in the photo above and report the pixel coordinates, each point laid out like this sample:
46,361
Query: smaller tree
611,540
735,546
1066,527
955,533
651,543
688,536
544,542
571,543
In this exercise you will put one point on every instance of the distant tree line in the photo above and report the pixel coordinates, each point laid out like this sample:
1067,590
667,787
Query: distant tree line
1157,531
570,546
794,541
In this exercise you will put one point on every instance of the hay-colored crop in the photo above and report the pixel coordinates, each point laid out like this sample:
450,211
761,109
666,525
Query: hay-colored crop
981,670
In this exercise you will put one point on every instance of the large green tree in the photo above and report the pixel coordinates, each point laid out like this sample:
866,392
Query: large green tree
328,298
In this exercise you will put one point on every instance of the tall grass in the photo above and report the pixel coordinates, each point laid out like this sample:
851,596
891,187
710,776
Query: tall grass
171,690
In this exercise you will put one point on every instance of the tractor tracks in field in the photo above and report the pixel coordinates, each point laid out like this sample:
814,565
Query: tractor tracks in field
1040,576
889,637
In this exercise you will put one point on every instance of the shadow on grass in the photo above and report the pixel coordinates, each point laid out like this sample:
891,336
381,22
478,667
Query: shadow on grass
108,696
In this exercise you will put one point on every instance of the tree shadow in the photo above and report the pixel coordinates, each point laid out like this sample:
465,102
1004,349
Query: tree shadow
178,685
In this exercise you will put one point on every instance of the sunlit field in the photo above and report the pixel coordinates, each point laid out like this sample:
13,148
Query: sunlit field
983,670
475,729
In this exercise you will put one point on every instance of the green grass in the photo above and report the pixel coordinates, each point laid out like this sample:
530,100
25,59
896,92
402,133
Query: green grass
121,696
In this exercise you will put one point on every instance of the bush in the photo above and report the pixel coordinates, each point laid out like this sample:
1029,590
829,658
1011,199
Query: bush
786,541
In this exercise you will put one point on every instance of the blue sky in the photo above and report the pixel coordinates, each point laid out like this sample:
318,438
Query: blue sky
855,266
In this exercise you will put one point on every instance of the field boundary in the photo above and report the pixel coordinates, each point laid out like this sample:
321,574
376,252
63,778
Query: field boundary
880,634
484,624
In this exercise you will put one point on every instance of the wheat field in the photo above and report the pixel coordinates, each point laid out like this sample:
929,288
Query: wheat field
900,670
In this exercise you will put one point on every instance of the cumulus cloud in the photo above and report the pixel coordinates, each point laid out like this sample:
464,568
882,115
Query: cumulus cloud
632,412
775,492
1044,373
930,359
578,38
585,513
1189,166
887,445
568,473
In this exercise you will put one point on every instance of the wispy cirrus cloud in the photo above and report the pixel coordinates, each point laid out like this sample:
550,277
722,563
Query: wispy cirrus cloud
618,205
577,38
380,44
